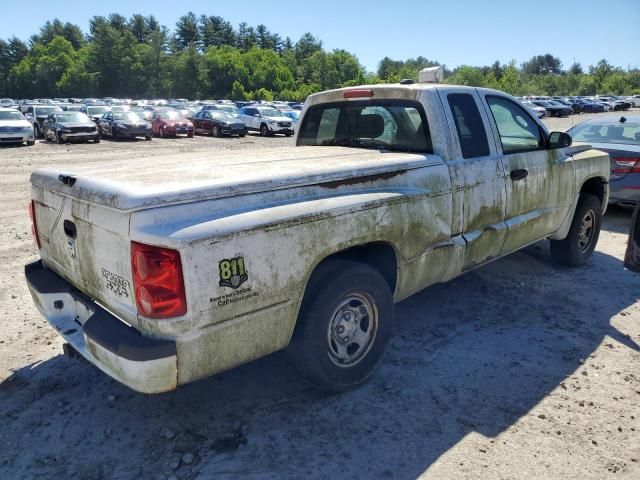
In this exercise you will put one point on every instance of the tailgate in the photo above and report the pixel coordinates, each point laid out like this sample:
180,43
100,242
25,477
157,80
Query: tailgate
88,245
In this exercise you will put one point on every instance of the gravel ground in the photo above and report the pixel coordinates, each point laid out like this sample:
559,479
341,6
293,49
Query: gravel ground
517,370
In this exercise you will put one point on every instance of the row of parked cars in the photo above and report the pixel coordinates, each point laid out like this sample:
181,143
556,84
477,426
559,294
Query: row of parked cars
562,106
66,121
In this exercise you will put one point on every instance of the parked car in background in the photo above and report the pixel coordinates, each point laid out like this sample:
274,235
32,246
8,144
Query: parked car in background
229,108
218,123
14,128
266,120
95,112
7,103
620,138
70,126
553,109
37,114
589,106
635,100
170,123
294,115
539,111
124,125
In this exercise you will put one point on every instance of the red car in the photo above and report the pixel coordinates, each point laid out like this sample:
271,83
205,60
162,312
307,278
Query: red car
169,123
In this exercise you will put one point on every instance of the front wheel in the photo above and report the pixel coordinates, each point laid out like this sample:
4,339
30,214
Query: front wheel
577,247
264,130
344,325
215,131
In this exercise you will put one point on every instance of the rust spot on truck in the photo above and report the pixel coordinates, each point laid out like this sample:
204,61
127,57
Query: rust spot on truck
364,179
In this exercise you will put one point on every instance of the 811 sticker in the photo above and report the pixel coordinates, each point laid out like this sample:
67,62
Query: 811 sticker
232,272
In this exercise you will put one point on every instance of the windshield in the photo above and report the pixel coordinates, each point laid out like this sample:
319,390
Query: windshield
97,110
627,133
71,117
269,112
221,115
46,111
11,116
379,124
171,115
126,116
229,109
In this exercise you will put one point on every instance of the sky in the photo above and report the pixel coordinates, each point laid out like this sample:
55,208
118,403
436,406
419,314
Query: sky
453,32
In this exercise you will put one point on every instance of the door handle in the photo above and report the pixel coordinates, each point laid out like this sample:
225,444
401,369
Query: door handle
518,174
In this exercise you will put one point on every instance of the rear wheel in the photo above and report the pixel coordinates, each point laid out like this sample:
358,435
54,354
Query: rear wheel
59,139
37,131
344,325
96,139
215,131
148,138
582,238
31,143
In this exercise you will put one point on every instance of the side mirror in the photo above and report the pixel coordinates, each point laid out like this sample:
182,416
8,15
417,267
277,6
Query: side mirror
256,115
559,140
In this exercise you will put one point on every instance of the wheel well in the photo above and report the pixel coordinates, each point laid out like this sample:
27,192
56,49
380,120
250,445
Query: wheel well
378,255
594,186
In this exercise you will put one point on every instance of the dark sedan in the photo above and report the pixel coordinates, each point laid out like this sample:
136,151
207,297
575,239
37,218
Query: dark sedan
70,126
588,106
124,125
553,109
620,138
218,123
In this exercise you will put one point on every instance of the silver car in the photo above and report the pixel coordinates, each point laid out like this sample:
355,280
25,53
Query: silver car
14,128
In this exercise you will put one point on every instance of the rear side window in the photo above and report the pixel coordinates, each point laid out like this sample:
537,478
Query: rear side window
396,125
471,131
518,131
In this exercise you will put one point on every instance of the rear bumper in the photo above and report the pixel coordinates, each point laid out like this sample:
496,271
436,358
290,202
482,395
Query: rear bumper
144,364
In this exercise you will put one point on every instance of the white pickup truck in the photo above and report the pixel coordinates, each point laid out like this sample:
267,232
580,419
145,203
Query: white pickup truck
164,271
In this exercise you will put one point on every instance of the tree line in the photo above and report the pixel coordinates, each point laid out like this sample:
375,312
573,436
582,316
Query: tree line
207,57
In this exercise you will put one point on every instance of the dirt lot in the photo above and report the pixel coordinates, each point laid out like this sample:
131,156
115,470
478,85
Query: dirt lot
518,370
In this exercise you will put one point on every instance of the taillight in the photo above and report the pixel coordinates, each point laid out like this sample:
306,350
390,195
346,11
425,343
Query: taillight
357,93
625,165
157,281
34,224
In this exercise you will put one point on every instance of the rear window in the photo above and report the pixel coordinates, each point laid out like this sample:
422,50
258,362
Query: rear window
623,133
379,124
471,132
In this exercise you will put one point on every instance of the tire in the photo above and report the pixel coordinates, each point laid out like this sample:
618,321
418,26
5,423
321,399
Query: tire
162,134
582,238
264,130
330,347
59,140
96,139
190,135
242,135
37,131
287,134
215,131
31,143
148,138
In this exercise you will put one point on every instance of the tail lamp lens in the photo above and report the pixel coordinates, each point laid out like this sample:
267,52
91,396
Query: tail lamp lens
34,224
625,165
157,281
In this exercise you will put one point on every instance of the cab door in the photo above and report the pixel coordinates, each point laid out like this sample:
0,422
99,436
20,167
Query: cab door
540,182
476,171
